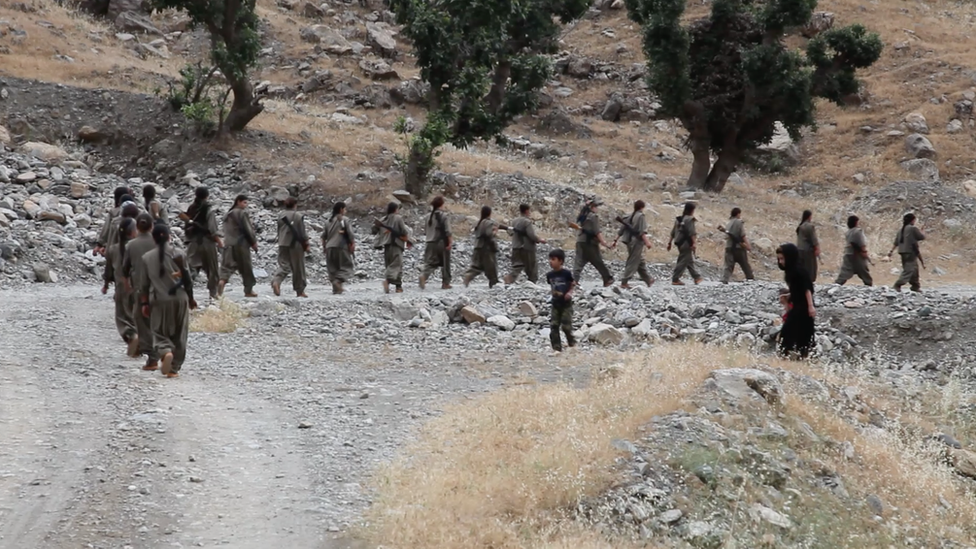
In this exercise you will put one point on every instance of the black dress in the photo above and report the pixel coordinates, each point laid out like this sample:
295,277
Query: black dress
797,335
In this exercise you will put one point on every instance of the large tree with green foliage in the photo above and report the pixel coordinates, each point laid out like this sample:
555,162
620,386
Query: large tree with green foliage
484,62
729,77
234,48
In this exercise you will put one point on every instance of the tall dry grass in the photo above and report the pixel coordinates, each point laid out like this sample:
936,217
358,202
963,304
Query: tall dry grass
223,317
501,471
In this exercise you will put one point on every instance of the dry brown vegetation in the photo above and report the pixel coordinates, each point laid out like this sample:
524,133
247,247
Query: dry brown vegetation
500,471
222,318
507,470
925,67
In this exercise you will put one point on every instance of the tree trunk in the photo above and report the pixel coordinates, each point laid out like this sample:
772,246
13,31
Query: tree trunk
496,96
726,163
245,106
415,174
701,163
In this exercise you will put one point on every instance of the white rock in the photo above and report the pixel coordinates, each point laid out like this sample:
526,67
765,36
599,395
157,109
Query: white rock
526,308
605,334
916,122
43,151
761,512
502,322
472,315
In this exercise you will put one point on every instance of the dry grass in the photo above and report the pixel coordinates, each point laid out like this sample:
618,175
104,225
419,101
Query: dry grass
223,318
62,45
500,471
904,472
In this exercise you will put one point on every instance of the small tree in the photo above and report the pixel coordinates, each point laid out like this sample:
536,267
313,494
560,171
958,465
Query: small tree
484,61
234,48
729,77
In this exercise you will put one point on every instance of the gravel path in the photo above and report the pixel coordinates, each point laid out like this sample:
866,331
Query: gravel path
267,438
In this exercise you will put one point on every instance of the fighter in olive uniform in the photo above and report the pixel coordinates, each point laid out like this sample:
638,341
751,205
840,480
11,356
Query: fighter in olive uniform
855,255
906,242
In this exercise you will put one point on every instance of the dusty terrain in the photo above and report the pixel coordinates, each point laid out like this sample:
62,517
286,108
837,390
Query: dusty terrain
370,421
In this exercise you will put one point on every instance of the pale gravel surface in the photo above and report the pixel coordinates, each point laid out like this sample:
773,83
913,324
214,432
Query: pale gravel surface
97,453
271,433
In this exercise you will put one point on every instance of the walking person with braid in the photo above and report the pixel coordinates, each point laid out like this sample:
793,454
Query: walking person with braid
736,247
393,238
154,207
293,244
439,241
684,236
485,257
906,242
166,299
105,235
633,233
588,243
240,239
123,292
524,242
340,245
856,256
203,239
134,270
808,244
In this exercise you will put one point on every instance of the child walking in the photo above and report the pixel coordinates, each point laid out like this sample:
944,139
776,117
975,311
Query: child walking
562,284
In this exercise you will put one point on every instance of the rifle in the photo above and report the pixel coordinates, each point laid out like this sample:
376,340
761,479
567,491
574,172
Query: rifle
394,232
918,254
294,232
576,227
628,226
735,240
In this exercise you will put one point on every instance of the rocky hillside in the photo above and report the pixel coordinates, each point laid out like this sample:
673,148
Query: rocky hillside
337,75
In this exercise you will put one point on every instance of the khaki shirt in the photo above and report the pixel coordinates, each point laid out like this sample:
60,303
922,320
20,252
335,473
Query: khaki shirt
523,234
908,238
386,238
161,214
735,234
105,233
286,237
133,267
806,237
589,229
856,243
638,225
484,235
438,227
210,224
159,281
238,228
683,231
113,265
338,233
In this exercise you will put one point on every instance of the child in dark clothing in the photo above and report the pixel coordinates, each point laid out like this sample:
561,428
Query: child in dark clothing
562,284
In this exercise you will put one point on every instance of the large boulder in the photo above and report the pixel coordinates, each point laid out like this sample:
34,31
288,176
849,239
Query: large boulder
380,37
502,322
472,315
605,334
964,462
781,151
916,122
820,21
44,151
746,385
118,7
329,39
133,22
922,169
918,146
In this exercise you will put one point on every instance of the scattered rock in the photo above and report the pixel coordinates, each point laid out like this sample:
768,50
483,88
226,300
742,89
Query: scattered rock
43,151
472,315
132,22
820,21
918,146
605,334
42,273
526,308
502,322
380,37
923,169
964,462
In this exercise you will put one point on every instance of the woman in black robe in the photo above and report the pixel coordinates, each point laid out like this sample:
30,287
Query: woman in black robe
797,335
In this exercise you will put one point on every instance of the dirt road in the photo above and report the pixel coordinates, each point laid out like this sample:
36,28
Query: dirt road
266,440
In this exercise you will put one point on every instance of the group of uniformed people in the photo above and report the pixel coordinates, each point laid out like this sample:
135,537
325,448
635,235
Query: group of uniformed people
153,278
